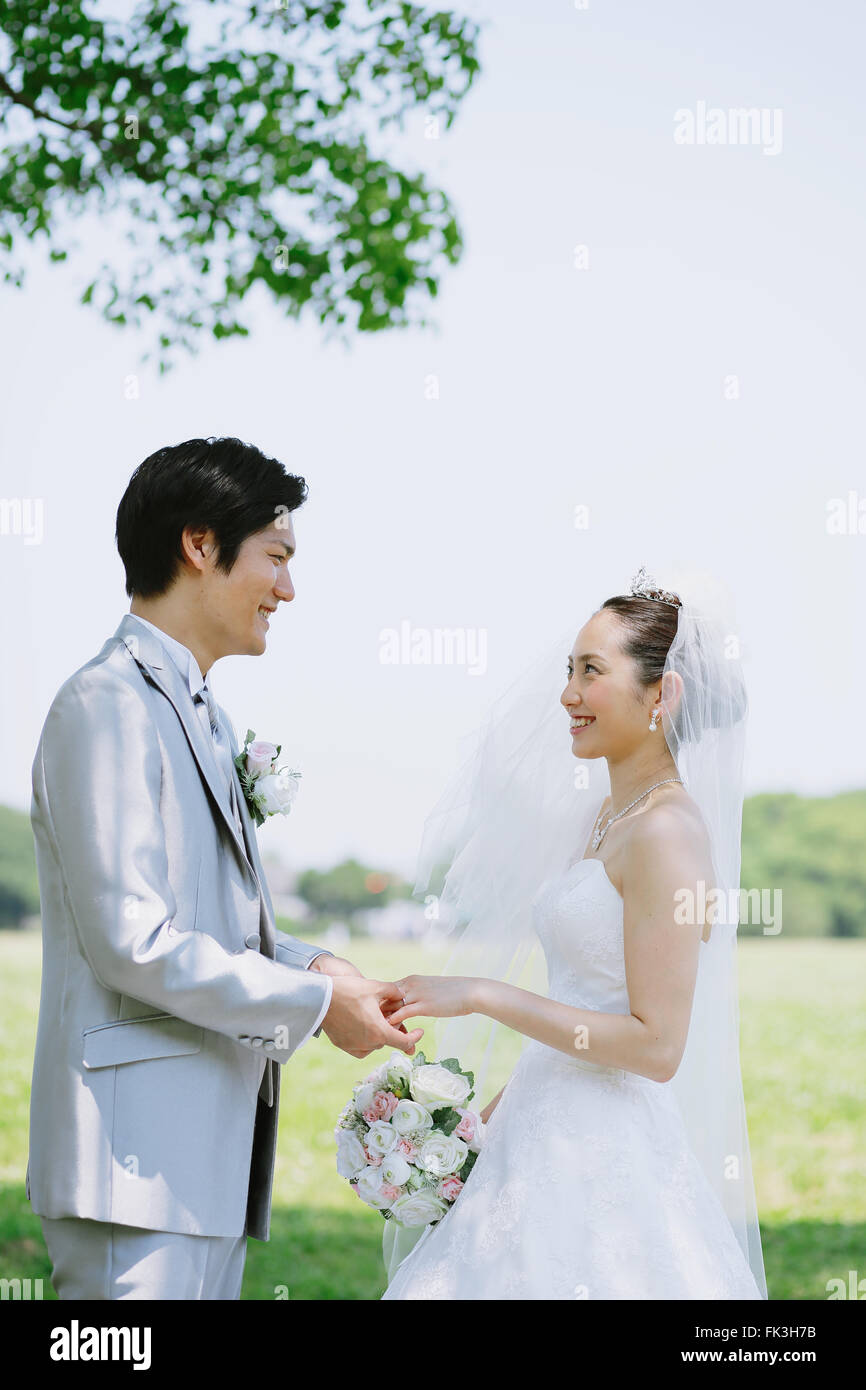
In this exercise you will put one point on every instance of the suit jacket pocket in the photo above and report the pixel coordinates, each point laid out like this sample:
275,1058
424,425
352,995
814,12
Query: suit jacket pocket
139,1039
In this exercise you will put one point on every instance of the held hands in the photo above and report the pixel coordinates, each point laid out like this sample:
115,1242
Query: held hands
357,1020
434,996
440,996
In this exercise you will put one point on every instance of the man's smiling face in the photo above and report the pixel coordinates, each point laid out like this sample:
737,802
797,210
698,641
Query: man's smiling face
239,604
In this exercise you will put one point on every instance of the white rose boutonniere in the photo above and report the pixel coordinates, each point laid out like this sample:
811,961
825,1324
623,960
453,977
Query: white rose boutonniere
268,789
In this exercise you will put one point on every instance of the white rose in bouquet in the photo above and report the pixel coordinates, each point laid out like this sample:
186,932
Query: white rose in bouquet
410,1116
351,1159
363,1093
418,1208
363,1097
435,1086
379,1075
441,1154
395,1169
398,1070
369,1188
381,1137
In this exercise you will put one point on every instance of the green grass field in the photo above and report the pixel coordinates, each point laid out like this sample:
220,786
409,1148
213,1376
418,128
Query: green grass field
803,1029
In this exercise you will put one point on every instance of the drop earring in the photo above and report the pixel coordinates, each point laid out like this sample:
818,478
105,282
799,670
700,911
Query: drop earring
653,721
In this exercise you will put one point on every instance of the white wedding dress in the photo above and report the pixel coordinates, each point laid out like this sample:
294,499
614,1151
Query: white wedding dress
586,1186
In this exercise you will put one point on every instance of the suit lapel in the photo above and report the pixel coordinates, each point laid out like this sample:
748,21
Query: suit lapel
152,657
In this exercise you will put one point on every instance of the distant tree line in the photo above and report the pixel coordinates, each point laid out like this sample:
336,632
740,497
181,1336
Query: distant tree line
810,848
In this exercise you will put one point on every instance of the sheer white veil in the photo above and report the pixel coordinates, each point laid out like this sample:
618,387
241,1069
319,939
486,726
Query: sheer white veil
521,809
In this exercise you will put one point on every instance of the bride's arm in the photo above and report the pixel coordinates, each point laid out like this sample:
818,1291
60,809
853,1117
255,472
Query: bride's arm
665,855
491,1106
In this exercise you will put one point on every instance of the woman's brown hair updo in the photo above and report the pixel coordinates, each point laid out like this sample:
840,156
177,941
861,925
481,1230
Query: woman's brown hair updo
649,629
715,692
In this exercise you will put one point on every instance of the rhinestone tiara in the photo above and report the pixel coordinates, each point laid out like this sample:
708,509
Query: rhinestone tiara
643,586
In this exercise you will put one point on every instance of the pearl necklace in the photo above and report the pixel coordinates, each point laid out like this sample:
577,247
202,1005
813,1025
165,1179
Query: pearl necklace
599,834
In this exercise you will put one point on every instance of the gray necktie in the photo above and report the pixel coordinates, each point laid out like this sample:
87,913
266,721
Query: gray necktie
221,749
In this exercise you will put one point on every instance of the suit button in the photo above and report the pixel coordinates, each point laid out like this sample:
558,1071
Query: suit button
253,940
269,1045
243,1037
257,1042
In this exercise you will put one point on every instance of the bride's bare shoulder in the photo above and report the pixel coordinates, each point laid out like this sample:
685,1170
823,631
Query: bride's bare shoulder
672,832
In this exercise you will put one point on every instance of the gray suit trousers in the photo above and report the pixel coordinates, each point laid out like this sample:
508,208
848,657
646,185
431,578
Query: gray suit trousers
99,1261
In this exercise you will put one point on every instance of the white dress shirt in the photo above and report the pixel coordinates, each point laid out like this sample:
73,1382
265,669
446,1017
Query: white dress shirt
191,671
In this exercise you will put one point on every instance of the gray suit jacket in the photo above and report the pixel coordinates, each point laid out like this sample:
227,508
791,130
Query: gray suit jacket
168,994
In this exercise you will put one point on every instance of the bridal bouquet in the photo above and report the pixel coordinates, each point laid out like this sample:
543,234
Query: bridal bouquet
406,1141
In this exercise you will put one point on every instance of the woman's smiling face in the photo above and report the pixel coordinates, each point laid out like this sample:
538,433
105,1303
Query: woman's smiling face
602,691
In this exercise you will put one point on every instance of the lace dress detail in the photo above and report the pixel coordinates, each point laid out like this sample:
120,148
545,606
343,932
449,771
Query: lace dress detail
586,1187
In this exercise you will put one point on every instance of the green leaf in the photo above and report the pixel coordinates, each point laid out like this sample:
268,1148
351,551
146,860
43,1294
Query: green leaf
447,1120
468,1166
451,1064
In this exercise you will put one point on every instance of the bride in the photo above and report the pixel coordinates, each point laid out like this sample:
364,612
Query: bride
615,1162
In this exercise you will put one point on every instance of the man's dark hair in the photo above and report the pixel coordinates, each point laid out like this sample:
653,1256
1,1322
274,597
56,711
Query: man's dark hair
222,483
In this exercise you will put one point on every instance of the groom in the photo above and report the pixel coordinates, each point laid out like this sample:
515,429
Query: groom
169,997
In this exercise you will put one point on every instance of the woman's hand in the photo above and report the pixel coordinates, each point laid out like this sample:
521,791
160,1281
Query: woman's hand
435,996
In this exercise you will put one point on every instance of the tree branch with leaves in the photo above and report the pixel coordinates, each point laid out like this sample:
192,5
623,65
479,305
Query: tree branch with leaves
229,143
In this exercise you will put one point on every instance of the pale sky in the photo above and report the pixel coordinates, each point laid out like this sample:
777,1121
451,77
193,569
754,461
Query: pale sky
609,387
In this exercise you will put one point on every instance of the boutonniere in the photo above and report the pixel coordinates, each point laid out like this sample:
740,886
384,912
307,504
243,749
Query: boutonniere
268,789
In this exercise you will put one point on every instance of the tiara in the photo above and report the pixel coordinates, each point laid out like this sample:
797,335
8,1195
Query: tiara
643,586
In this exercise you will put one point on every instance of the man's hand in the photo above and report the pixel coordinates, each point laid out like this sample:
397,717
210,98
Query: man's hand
335,965
355,1020
338,965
